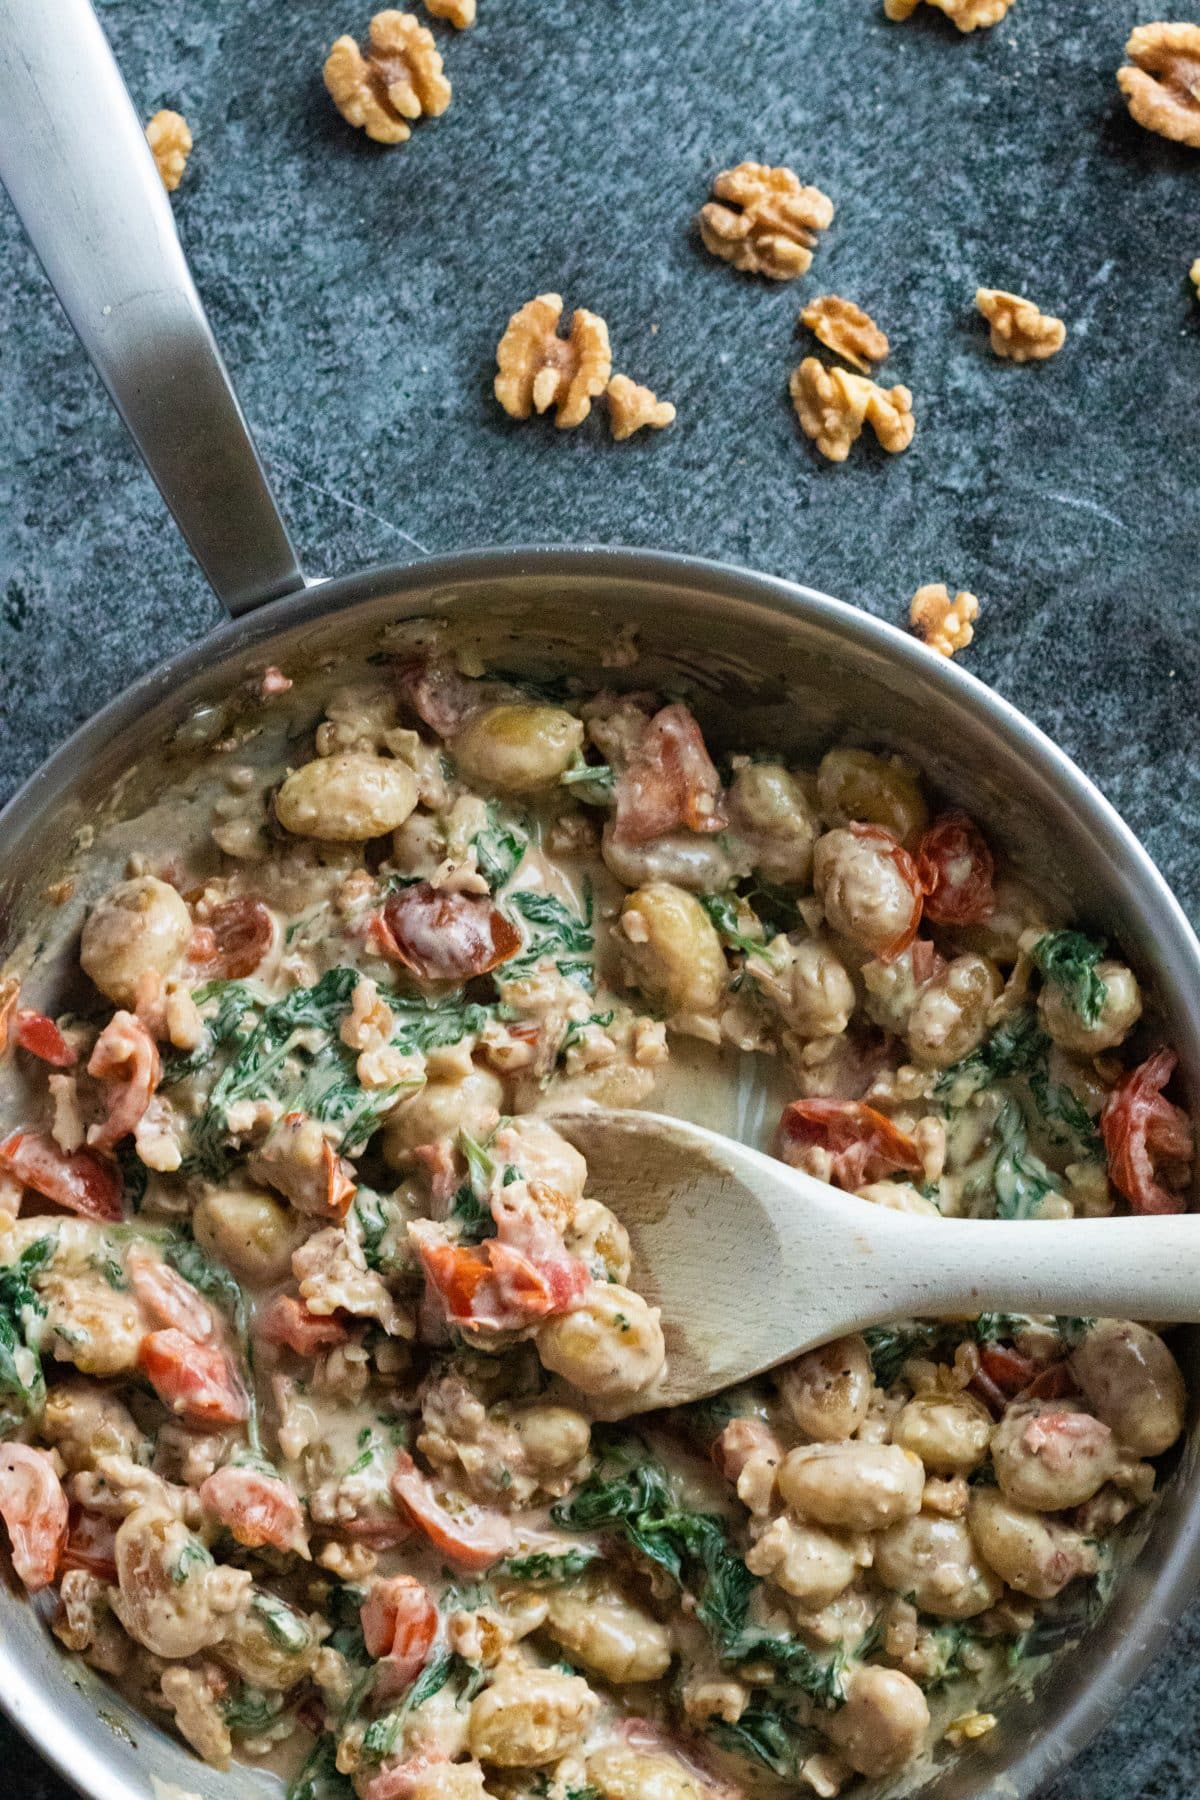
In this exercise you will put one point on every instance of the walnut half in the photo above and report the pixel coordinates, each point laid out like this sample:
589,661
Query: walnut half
460,13
398,78
536,369
968,15
845,329
833,406
945,624
631,407
170,142
1020,331
1161,81
763,221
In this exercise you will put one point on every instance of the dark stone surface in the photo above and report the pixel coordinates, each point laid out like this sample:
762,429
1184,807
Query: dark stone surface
359,292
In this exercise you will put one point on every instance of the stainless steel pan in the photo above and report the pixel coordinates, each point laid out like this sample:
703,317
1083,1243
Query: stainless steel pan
768,661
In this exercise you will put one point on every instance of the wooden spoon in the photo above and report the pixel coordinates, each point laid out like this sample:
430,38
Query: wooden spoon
752,1262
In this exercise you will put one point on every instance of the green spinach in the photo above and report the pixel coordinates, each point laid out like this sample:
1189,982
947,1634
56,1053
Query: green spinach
1021,1180
294,1054
250,1709
1067,960
595,783
319,1778
769,1733
382,1734
722,910
22,1384
631,1494
499,850
544,1567
553,933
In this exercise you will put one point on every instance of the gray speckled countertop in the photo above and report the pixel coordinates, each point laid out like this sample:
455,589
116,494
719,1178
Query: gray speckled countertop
358,294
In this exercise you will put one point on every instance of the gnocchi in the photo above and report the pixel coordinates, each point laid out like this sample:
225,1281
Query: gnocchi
346,798
140,928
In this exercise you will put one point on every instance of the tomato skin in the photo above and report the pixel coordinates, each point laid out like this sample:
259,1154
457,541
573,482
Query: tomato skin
864,1144
495,1287
34,1508
443,936
257,1508
669,782
473,1540
197,1381
907,869
242,933
1141,1127
399,1623
169,1300
89,1546
956,871
1005,1366
400,1780
82,1182
441,697
34,1032
738,1441
1054,1382
288,1322
125,1057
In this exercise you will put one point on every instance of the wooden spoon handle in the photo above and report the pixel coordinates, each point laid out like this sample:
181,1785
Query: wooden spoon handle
1134,1268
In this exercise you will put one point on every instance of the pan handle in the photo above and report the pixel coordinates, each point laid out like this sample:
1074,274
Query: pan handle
74,158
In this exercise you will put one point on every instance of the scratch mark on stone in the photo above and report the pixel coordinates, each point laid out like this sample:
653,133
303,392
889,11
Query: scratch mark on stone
1090,506
1081,324
290,470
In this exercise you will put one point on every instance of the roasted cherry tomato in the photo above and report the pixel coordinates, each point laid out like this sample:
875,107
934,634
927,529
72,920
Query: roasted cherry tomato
168,1300
242,933
864,1144
39,1035
1146,1136
125,1058
287,1321
399,1623
81,1181
669,783
444,936
34,1508
474,1538
256,1508
197,1381
956,870
906,868
495,1287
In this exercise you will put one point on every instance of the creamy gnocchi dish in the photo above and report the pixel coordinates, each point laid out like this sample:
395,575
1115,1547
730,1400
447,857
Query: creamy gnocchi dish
317,1351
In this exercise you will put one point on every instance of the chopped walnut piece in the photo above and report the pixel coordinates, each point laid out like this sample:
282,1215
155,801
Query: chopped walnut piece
397,79
945,624
774,229
968,15
630,407
537,369
847,330
460,13
1161,81
1020,331
170,141
833,406
968,1726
